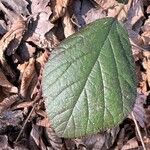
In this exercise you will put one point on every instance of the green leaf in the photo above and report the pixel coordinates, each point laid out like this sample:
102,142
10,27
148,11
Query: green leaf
89,81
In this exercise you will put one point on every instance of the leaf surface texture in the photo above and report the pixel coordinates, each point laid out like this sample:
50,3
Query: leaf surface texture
89,81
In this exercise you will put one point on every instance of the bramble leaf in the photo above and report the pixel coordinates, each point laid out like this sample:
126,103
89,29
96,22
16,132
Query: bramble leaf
89,81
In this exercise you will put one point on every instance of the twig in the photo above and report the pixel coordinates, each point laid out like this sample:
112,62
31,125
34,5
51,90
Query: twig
138,131
139,47
25,122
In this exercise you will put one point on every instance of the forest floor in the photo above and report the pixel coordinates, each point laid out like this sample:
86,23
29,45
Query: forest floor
28,30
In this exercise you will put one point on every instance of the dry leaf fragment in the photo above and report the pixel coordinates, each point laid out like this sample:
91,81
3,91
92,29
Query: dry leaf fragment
85,13
24,105
39,26
146,32
58,8
40,62
39,6
20,7
68,25
10,118
135,12
131,144
26,51
10,14
43,24
139,111
6,84
146,65
7,102
105,4
55,141
3,27
119,10
134,21
17,31
12,38
35,134
27,76
31,75
10,42
44,123
4,142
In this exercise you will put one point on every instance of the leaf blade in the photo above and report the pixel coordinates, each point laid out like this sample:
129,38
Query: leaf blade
78,81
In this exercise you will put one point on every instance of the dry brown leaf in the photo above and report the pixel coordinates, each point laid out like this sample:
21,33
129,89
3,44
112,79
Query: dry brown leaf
89,13
93,14
39,26
24,105
35,134
26,51
16,34
42,28
103,140
55,141
84,13
31,75
3,142
2,95
7,102
6,84
52,40
147,142
20,7
16,31
44,123
41,113
146,65
28,76
58,8
11,14
12,38
21,68
39,23
148,117
131,144
4,42
39,6
135,13
139,111
105,4
40,62
120,10
3,27
10,42
143,83
7,87
146,32
10,118
68,25
134,21
23,144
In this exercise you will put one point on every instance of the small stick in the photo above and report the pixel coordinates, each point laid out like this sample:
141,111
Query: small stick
138,131
25,122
